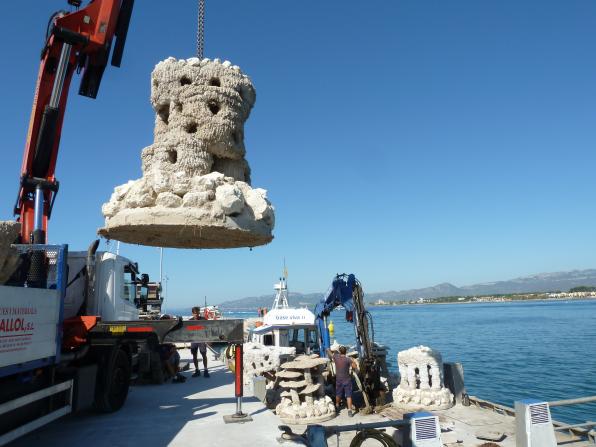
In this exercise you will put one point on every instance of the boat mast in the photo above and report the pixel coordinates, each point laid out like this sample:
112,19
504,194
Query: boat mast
281,297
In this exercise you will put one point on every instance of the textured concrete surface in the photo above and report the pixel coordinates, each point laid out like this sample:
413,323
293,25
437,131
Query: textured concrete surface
9,260
195,190
259,359
421,386
303,399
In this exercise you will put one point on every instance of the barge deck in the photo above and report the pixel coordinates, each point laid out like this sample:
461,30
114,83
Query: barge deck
191,413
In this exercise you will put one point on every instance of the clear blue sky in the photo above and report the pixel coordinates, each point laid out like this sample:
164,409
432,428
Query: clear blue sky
410,142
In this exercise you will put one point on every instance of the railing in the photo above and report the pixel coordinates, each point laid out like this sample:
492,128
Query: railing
585,429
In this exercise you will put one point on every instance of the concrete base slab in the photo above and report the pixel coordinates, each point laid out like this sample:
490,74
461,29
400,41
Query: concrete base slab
235,418
178,228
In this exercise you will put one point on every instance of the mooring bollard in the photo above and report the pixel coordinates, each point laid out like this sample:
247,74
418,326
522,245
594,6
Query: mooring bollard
239,416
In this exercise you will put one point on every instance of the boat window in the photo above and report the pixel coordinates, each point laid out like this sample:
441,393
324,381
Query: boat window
268,340
312,343
283,338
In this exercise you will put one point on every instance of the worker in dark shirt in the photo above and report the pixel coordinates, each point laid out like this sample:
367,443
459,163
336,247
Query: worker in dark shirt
343,380
171,360
194,347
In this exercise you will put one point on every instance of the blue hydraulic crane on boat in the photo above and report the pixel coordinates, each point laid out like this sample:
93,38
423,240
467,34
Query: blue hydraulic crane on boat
346,291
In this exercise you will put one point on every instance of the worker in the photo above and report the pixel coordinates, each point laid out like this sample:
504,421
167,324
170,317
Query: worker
194,347
343,380
171,361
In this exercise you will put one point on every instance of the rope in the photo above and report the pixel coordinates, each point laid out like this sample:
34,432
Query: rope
383,438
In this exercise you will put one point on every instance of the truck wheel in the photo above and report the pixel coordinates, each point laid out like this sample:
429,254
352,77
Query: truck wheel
113,381
157,375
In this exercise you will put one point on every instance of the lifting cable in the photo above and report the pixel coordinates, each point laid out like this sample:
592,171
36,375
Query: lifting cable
201,30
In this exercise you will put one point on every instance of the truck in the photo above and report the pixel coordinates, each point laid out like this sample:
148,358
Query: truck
70,333
77,342
49,357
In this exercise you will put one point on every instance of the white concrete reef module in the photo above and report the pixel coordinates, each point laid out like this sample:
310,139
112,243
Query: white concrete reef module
195,190
303,399
421,385
260,359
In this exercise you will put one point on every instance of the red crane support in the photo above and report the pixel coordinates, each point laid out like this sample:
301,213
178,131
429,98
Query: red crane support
80,41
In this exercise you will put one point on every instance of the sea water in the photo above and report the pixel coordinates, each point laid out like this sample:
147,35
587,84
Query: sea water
510,351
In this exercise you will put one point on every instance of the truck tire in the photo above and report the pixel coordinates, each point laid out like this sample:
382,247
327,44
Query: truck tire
113,381
157,375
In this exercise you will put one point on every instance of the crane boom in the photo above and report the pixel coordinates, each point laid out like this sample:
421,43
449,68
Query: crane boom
76,41
346,291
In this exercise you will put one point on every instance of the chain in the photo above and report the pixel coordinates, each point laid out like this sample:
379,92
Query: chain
201,30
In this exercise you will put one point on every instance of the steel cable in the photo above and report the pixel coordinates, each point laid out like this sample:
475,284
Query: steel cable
201,30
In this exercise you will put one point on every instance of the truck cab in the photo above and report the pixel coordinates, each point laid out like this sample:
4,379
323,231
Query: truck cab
111,290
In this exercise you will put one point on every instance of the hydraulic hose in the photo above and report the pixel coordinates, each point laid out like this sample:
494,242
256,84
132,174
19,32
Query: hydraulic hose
383,438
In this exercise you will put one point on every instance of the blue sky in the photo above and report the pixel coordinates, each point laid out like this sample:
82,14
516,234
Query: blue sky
409,142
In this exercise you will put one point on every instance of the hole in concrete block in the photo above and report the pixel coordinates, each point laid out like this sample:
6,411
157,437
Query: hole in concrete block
240,92
214,82
430,377
155,83
179,107
185,80
191,128
213,107
417,372
164,112
172,156
236,137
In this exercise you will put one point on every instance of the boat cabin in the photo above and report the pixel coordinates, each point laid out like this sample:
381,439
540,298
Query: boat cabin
286,326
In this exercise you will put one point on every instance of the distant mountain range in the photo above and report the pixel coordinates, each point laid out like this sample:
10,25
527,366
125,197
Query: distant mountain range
542,282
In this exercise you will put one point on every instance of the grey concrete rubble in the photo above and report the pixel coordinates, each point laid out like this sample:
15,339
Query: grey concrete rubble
9,259
303,399
195,190
421,386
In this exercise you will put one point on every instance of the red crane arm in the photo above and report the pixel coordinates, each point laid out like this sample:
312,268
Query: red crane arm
79,40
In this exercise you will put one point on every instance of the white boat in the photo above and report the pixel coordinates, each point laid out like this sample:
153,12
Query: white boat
211,313
286,326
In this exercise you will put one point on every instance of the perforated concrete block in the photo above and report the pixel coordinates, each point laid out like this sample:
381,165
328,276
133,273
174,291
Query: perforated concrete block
195,191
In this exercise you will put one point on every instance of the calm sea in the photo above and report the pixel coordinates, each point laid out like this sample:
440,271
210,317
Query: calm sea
510,351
